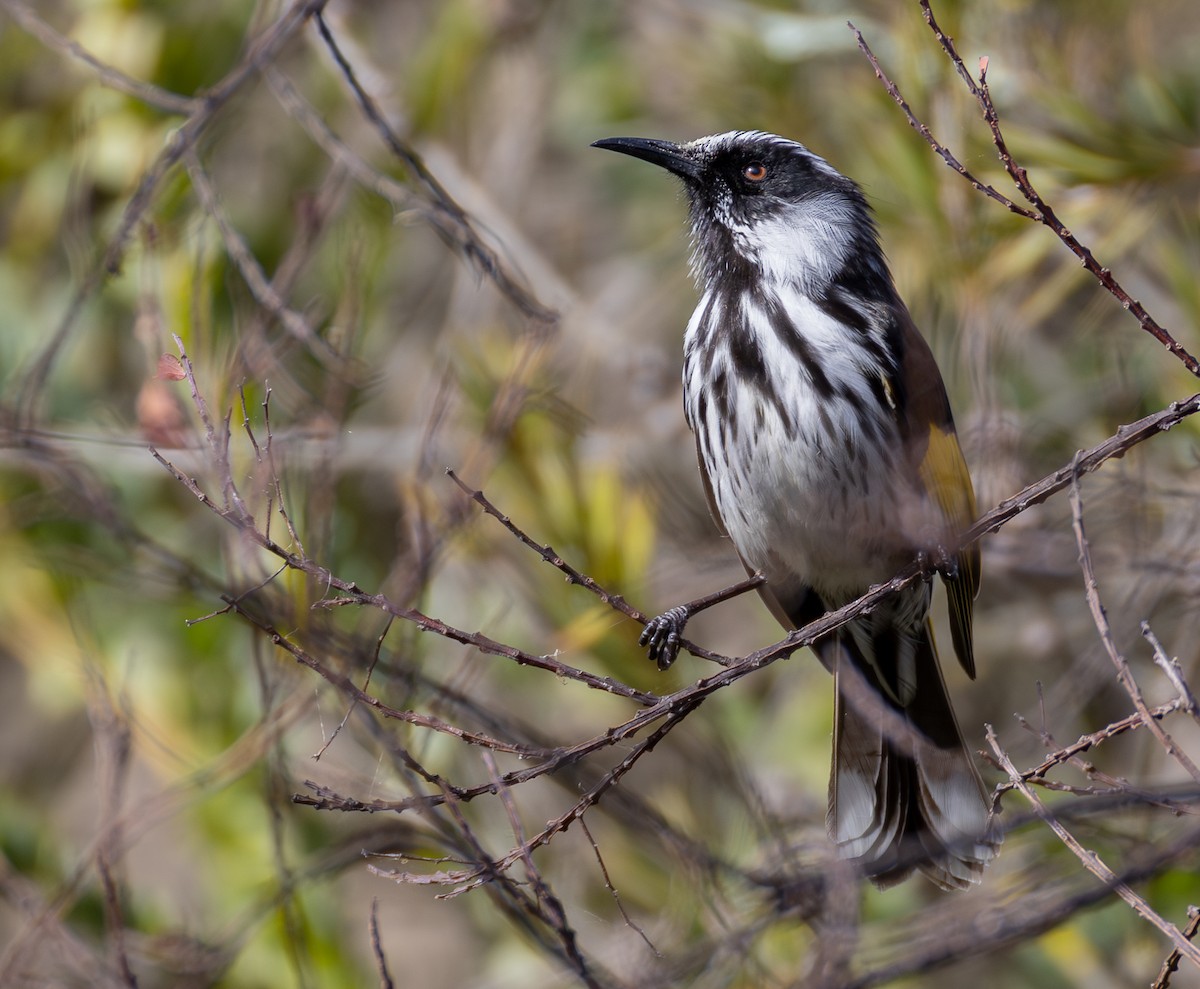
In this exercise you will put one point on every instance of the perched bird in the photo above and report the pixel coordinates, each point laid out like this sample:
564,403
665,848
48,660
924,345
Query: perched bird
829,457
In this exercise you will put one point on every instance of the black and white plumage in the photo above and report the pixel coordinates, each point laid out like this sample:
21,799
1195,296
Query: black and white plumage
829,457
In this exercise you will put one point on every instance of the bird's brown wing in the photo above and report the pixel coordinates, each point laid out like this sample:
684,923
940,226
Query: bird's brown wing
941,472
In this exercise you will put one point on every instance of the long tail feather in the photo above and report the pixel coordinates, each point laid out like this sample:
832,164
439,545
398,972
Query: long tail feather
904,792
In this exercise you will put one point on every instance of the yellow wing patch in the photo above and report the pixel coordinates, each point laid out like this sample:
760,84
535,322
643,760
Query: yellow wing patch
943,472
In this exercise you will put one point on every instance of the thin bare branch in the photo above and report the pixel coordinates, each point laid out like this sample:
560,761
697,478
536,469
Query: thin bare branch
1091,861
251,271
1100,617
451,220
151,95
385,977
1171,963
940,149
574,576
1170,666
608,884
259,53
359,695
1090,741
354,701
1042,212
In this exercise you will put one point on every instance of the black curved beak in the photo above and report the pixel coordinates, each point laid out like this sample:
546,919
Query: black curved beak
673,157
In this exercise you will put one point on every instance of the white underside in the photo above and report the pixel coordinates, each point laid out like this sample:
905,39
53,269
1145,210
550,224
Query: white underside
779,496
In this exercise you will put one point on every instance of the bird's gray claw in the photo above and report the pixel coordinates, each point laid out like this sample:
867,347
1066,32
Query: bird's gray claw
937,559
663,635
946,563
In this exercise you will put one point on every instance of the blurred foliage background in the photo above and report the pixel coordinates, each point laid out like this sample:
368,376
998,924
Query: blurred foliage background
161,753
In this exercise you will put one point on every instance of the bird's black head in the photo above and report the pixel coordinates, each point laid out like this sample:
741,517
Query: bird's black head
764,203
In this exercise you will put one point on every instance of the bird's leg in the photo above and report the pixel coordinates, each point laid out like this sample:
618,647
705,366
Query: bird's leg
939,559
664,633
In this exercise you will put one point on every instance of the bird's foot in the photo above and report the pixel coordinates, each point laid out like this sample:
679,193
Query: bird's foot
663,635
938,559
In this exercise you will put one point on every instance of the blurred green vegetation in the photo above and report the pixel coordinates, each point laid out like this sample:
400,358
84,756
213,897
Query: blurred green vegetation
576,433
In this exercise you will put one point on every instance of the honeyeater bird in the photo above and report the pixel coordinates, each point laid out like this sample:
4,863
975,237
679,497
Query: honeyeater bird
829,457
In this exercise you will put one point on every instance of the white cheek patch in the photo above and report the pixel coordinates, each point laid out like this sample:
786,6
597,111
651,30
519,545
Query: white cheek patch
802,244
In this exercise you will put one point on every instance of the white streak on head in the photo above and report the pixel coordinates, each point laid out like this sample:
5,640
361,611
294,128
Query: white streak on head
708,147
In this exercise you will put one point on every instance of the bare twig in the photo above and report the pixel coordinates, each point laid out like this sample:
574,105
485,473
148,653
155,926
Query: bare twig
736,589
940,149
1091,861
470,879
354,701
1089,741
545,907
607,782
259,53
451,220
608,884
217,444
1042,212
574,576
151,95
251,271
1170,666
1124,675
359,695
1171,962
1125,438
385,977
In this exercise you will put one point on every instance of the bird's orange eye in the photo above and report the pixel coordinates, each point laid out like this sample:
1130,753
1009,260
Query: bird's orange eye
756,171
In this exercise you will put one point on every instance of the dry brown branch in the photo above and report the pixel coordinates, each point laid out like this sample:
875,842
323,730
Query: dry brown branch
939,149
551,929
1042,211
1091,861
1102,627
1089,741
261,52
614,601
397,195
385,977
608,885
251,271
1174,673
451,220
1171,963
151,95
437,724
359,696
